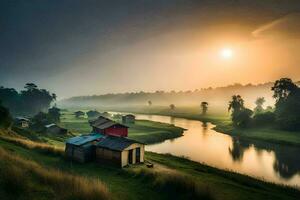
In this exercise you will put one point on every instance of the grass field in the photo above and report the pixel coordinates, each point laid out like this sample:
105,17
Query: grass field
171,178
145,131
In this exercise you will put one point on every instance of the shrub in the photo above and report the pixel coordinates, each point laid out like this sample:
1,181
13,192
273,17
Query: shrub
262,119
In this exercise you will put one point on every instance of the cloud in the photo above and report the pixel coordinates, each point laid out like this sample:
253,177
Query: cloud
287,26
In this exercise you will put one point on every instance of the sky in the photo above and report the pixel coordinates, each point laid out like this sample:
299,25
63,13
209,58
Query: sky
87,47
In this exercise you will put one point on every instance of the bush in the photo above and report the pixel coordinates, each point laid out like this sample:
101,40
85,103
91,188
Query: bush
5,118
264,119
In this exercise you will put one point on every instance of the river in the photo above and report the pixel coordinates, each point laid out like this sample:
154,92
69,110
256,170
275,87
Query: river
271,162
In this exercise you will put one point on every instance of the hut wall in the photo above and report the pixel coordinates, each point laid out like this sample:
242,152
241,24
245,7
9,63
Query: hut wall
124,156
78,153
104,155
117,131
132,147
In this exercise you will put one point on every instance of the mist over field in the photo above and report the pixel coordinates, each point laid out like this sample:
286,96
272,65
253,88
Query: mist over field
217,98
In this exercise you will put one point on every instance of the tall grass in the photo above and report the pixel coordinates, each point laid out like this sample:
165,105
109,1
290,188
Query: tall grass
176,185
41,147
25,178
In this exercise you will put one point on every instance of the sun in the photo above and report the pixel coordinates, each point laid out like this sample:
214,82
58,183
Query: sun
226,53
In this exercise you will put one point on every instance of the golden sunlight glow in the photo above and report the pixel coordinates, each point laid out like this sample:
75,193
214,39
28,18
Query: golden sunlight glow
226,53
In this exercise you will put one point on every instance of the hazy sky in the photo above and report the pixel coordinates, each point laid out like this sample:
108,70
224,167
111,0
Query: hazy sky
83,47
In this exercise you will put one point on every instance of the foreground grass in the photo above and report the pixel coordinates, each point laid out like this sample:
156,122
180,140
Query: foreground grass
124,184
145,131
25,179
178,178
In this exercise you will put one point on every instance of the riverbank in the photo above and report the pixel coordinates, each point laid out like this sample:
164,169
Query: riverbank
172,177
223,124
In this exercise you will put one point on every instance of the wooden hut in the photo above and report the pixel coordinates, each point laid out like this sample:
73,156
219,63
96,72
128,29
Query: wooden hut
119,151
22,122
106,126
55,129
128,119
81,148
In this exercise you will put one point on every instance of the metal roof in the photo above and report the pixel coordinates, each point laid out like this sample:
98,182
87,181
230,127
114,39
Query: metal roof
50,125
116,143
83,139
22,119
103,123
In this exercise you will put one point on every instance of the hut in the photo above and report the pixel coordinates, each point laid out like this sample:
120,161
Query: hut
81,148
105,149
130,119
22,122
93,114
55,129
119,151
106,126
79,114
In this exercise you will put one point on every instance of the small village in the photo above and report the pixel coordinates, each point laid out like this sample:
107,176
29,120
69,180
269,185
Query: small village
106,144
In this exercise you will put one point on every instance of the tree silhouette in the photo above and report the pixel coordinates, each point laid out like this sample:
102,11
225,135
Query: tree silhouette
29,101
287,107
282,88
54,114
30,86
236,104
259,104
172,107
240,115
204,107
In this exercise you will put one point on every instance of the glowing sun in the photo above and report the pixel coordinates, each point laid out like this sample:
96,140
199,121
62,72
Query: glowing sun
226,53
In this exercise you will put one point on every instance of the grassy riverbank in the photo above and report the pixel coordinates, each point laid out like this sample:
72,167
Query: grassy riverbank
171,178
145,131
223,124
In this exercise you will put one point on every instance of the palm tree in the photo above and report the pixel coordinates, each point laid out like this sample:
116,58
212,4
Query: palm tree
236,104
204,106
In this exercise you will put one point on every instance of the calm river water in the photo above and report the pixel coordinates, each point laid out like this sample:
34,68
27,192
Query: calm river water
271,162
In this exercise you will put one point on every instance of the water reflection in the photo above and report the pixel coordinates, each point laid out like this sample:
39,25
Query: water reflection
275,163
172,120
286,162
237,150
204,127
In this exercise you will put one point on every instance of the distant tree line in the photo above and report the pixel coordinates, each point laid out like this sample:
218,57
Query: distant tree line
29,101
286,114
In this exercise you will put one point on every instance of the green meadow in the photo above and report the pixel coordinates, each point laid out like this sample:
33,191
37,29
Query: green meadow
145,131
